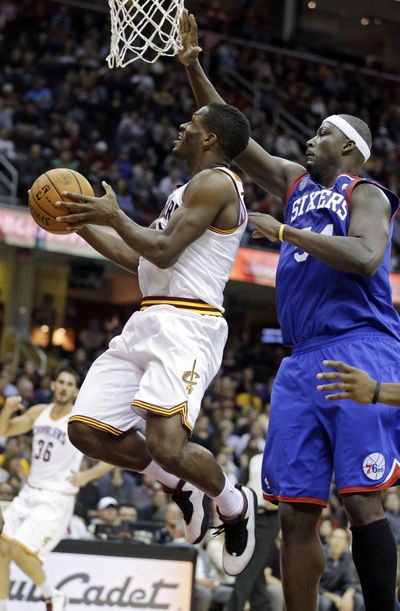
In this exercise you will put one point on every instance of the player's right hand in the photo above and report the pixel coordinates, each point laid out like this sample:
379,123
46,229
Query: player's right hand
13,404
190,43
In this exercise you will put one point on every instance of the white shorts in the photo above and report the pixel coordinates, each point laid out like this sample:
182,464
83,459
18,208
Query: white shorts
162,363
37,519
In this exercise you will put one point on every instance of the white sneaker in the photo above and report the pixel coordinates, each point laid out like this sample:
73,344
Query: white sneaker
195,506
58,602
240,537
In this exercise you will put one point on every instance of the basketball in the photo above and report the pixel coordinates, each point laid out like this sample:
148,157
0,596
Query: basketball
48,189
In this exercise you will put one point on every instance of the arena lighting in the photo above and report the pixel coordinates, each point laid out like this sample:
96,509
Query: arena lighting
364,21
44,329
312,4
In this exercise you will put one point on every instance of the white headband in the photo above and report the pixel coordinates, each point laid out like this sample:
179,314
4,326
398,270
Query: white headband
349,131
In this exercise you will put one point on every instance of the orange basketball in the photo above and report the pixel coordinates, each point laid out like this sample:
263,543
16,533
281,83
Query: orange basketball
47,189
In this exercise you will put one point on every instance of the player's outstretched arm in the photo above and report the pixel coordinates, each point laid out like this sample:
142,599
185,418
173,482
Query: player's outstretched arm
112,247
206,195
271,173
9,426
356,385
81,478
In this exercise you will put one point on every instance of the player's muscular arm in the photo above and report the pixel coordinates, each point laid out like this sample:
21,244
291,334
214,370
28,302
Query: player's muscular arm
112,247
271,173
208,194
360,252
18,425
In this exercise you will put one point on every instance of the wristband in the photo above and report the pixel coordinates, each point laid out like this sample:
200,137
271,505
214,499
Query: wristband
280,233
376,392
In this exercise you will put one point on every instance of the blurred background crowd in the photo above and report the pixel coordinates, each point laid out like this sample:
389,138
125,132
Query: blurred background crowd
60,105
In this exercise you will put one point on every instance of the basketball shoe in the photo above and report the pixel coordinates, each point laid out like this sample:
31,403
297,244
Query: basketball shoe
239,533
195,506
58,602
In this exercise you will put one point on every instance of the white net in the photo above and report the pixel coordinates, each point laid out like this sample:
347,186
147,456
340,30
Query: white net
143,29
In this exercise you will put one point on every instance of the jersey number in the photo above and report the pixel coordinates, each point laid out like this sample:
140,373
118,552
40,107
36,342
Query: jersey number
301,256
43,450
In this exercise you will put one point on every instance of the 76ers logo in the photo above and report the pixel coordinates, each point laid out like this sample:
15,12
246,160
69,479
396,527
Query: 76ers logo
374,466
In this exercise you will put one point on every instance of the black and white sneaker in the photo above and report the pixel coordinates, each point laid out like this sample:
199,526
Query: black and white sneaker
240,537
195,506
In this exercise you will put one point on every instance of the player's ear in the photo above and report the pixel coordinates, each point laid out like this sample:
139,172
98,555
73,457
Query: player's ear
348,146
210,140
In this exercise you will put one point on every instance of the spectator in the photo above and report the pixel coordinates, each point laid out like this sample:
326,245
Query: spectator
338,586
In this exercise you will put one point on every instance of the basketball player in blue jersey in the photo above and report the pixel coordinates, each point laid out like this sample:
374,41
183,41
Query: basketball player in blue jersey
334,303
155,373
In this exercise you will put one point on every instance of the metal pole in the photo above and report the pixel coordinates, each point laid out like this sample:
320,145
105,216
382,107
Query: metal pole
289,19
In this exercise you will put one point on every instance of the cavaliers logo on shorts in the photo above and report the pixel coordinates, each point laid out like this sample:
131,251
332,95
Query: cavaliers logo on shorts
190,377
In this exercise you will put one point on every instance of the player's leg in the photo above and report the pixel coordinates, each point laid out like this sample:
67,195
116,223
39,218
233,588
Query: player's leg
300,540
5,559
297,472
46,519
366,458
168,444
374,550
102,424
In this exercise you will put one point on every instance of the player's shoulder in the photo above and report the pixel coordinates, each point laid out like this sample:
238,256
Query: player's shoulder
36,410
218,180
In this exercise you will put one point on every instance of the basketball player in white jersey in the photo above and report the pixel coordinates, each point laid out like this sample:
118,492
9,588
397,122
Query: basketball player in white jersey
37,518
157,370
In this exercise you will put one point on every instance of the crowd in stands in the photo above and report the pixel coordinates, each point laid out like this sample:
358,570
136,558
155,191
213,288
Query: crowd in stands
134,508
61,106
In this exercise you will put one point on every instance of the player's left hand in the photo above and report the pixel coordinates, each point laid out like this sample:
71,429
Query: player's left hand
266,226
353,383
78,479
87,210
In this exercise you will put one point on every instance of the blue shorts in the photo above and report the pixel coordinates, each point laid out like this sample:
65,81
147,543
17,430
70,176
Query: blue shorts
310,438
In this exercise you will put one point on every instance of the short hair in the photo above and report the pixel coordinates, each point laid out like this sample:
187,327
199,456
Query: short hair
57,372
360,126
230,126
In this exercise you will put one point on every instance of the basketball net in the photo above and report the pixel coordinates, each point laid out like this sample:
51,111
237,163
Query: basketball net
143,29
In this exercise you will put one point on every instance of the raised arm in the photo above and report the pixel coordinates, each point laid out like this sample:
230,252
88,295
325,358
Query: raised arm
9,426
206,196
271,173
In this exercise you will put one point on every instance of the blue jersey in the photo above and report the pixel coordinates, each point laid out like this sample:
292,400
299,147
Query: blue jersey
315,300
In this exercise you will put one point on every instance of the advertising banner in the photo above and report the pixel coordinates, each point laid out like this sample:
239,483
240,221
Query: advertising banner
99,582
253,265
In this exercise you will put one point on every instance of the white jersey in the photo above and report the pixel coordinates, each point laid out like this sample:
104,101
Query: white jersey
54,458
203,268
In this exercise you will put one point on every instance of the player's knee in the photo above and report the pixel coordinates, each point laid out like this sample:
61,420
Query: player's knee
298,520
363,509
163,450
85,438
15,551
5,551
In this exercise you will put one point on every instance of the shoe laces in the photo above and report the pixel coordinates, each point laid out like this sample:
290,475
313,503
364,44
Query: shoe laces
236,535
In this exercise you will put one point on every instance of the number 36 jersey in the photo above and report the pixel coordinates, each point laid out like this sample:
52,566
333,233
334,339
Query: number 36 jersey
54,458
315,300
